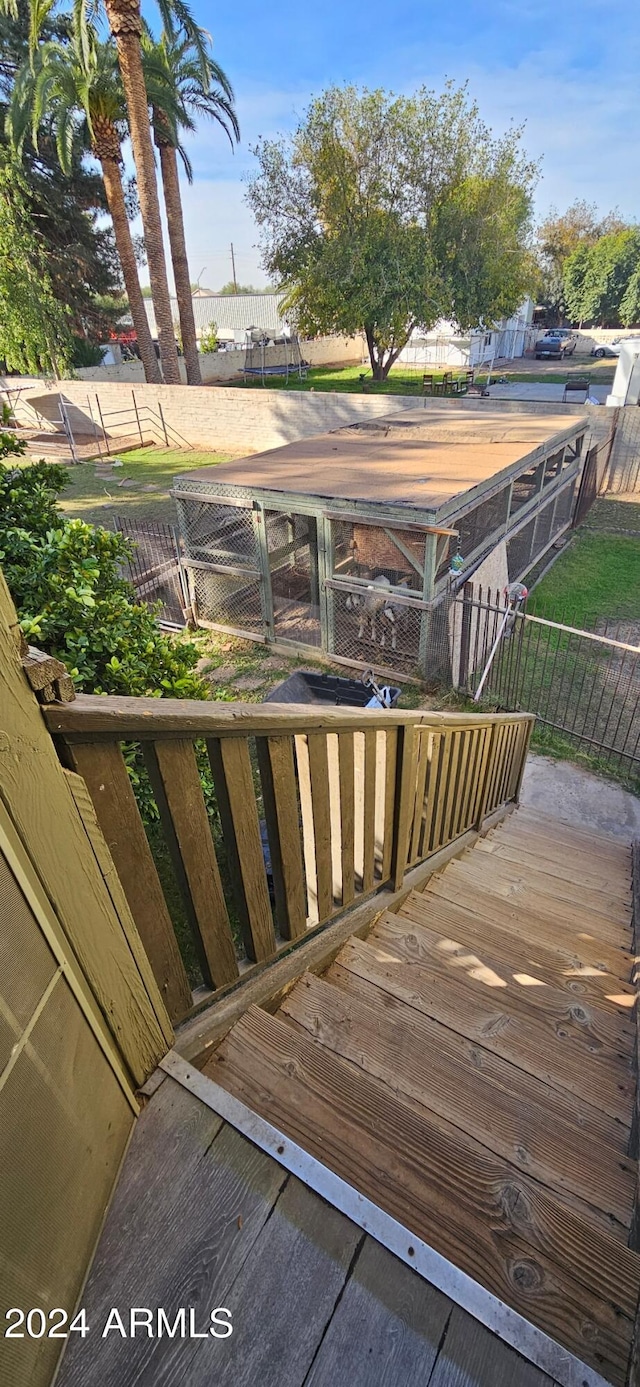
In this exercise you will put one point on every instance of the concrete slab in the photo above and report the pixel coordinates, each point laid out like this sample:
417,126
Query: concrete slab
576,796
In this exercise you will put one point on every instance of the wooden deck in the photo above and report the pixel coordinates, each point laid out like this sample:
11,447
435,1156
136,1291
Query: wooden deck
201,1218
469,1067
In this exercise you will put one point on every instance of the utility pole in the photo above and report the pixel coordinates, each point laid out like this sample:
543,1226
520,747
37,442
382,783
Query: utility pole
233,267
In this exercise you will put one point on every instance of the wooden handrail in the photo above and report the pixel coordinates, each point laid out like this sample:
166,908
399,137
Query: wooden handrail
143,719
315,809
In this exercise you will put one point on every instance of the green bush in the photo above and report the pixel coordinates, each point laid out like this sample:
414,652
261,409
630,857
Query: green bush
209,338
86,353
64,579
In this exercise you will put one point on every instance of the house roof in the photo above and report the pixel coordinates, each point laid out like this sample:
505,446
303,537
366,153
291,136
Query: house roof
419,458
232,312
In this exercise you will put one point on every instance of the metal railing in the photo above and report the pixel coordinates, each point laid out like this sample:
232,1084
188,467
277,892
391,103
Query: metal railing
583,684
273,822
154,568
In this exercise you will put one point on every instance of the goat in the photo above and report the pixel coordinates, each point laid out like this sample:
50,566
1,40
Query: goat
376,602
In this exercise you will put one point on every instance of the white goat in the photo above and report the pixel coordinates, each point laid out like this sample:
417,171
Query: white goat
376,602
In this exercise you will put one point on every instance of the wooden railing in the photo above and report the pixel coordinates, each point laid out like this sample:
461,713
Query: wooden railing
312,810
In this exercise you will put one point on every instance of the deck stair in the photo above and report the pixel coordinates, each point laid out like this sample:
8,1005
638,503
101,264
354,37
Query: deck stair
470,1067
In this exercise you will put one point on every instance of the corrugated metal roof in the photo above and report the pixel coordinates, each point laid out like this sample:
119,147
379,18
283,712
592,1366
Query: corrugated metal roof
229,312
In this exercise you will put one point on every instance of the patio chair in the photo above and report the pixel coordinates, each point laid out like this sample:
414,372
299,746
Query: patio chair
427,385
576,385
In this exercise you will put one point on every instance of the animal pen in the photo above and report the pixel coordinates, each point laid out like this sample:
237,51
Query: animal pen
353,543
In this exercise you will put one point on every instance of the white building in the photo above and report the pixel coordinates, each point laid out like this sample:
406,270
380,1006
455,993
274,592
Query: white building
232,315
444,346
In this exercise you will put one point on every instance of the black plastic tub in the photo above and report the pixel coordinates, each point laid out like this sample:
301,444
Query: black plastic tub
307,686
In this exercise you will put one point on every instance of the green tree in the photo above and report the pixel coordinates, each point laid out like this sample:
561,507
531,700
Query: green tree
183,82
558,237
384,213
68,209
77,81
34,326
599,279
65,581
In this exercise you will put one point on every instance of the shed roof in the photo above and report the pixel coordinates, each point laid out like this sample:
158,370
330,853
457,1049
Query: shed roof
420,458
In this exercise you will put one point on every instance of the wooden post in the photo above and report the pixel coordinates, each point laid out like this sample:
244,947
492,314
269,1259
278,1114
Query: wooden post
40,802
405,802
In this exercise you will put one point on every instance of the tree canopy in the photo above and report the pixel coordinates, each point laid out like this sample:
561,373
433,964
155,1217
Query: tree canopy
34,327
602,280
67,209
559,237
383,213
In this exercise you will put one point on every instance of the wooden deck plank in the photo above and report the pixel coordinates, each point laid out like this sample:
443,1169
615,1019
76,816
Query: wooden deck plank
398,1046
563,869
526,878
604,847
386,1329
184,1219
518,917
280,1318
528,955
471,1357
581,1285
591,1124
483,1020
608,1035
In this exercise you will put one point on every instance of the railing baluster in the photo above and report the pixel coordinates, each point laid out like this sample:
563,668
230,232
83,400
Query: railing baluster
321,811
421,777
233,779
438,810
102,767
407,752
347,814
368,872
175,781
391,754
280,792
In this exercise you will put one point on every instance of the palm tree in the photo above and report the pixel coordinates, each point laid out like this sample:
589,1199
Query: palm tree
66,80
126,26
183,82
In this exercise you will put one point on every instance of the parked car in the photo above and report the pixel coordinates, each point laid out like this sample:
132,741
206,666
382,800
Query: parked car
557,342
612,348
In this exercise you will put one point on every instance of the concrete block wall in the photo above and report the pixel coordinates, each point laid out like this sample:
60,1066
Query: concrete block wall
221,366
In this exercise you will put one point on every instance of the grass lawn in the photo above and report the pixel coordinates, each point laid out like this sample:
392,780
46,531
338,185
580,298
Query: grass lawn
404,381
597,576
139,490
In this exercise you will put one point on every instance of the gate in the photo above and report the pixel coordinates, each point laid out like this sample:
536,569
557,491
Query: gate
154,568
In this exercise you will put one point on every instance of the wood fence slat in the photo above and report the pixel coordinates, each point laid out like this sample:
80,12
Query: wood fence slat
103,769
174,777
391,760
321,803
369,809
434,749
347,814
484,777
421,777
461,787
233,779
441,789
408,754
281,811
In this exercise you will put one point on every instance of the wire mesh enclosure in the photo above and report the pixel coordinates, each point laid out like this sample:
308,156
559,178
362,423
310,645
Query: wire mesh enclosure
366,570
154,568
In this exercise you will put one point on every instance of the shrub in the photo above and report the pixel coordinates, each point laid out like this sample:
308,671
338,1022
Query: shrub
65,581
209,338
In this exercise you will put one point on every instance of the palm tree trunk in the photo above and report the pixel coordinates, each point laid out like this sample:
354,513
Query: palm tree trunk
125,22
116,204
175,223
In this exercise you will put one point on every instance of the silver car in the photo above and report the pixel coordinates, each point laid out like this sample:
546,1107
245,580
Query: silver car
612,348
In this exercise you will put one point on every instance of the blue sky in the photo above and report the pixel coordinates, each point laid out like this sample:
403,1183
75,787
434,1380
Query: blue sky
568,69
